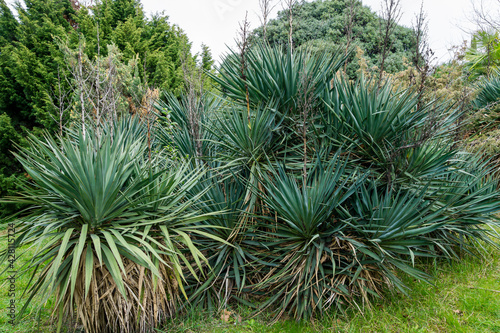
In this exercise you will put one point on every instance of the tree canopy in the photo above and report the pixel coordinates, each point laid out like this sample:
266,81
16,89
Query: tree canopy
323,25
34,71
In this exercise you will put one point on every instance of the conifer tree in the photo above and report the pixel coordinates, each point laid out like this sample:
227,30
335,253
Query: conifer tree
122,10
37,89
206,58
8,24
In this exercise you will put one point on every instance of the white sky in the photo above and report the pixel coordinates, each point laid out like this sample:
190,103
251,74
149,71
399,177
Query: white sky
216,22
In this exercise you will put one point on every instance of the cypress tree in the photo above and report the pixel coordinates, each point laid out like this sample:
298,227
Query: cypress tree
8,25
33,69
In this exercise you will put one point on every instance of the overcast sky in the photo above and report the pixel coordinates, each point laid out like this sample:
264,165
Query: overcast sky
215,22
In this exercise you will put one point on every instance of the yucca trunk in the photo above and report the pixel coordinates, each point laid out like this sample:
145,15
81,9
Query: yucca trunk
149,300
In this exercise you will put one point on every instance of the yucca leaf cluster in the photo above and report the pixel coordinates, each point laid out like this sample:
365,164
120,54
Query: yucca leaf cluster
112,228
333,189
293,189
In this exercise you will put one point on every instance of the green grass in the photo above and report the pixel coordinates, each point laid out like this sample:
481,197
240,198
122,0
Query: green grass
465,297
34,320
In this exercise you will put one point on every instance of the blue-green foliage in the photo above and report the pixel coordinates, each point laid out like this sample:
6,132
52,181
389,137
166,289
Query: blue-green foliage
333,189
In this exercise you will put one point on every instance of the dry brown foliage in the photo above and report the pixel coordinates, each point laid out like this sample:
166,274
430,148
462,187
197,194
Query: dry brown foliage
149,300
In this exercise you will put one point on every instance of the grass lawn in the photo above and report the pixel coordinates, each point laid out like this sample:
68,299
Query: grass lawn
465,298
34,321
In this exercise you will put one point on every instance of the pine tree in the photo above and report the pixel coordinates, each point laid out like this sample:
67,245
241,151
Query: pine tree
34,73
122,10
29,61
167,44
8,25
206,58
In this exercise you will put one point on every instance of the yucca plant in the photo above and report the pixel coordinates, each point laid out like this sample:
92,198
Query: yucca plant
109,227
302,237
387,131
232,266
388,230
247,142
246,139
372,115
276,76
189,119
483,124
331,189
488,95
470,195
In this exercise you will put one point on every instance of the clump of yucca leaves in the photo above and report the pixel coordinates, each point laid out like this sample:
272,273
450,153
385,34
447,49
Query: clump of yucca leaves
482,126
111,227
294,190
333,188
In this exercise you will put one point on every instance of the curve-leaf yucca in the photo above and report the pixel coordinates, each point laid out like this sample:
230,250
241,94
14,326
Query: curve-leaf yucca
109,226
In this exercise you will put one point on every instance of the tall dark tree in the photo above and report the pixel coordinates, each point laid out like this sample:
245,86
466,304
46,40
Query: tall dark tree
122,10
8,24
29,63
37,88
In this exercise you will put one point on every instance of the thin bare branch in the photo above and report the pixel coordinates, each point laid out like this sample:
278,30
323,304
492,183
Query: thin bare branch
266,6
352,8
290,5
484,16
193,78
243,44
423,54
389,18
